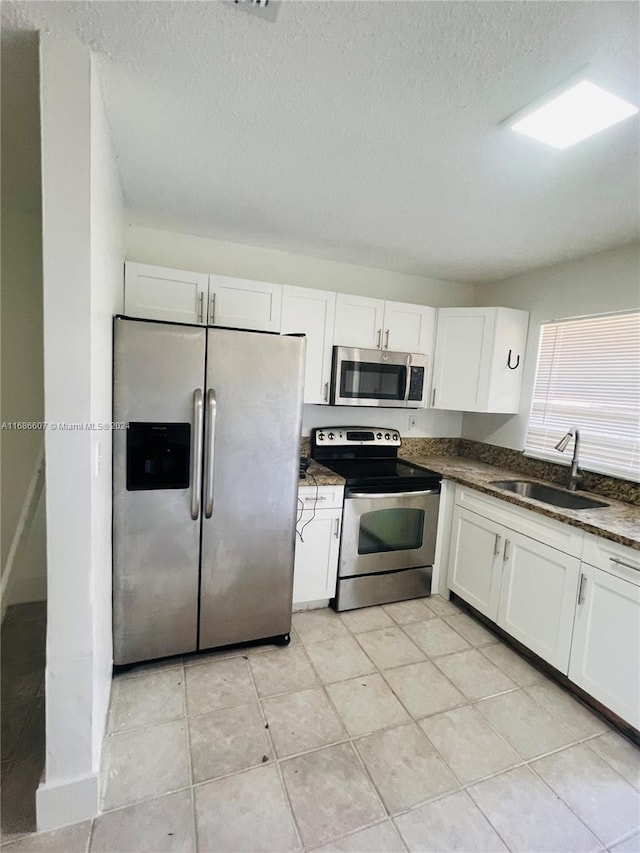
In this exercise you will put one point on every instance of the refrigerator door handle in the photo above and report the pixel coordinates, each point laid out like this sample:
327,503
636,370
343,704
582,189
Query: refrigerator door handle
196,455
209,452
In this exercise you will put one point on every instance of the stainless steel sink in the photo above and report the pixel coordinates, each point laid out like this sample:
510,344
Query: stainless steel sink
548,494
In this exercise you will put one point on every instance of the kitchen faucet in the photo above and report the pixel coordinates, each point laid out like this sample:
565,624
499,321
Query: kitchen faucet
575,474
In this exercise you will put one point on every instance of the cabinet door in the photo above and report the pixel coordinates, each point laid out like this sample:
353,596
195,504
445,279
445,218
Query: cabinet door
476,560
316,562
311,312
538,597
605,656
408,328
359,321
158,293
244,304
507,363
461,361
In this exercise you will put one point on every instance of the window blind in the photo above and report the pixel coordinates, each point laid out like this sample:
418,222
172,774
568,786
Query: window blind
588,376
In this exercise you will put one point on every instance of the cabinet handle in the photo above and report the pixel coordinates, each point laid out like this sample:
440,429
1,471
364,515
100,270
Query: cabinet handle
433,398
313,500
212,309
496,548
506,549
336,531
513,366
200,306
622,563
379,344
583,579
386,339
326,392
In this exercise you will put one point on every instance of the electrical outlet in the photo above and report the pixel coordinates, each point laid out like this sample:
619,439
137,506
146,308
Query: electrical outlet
412,422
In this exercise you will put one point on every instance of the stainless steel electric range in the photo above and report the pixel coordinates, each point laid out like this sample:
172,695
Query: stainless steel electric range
389,518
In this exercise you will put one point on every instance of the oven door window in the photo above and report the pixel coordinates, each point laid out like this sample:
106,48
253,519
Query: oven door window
366,381
390,530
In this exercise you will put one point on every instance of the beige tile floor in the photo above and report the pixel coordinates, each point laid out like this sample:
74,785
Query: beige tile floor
408,727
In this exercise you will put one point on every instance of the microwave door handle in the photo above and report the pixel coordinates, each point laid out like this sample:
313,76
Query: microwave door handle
408,382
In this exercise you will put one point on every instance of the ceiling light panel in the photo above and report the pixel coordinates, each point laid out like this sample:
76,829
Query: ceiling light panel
576,113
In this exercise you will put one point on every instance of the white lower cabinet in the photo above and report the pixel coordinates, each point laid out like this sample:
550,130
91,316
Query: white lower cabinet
537,597
581,617
525,586
475,568
317,544
605,656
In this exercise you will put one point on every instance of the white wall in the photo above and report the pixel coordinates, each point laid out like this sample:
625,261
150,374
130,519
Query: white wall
201,254
82,266
107,264
594,284
22,384
428,423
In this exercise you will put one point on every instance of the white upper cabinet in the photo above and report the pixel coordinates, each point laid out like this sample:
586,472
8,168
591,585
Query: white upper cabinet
311,312
359,321
479,359
244,304
408,328
376,324
158,293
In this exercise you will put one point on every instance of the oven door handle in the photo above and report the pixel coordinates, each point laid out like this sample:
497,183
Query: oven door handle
381,495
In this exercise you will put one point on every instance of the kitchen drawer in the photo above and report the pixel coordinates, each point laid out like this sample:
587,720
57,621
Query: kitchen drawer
323,497
557,534
612,557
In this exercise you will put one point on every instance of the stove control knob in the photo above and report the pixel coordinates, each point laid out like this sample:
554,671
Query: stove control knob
320,435
395,436
387,436
379,435
331,436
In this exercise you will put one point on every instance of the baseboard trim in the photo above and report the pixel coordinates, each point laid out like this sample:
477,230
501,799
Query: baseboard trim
66,802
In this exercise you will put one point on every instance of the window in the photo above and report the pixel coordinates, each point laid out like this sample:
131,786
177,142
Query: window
588,376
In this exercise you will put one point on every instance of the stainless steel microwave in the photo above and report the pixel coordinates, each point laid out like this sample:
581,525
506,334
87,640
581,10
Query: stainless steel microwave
371,377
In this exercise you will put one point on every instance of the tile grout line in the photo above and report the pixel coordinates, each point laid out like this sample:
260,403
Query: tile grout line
352,832
410,721
349,738
192,798
566,804
267,728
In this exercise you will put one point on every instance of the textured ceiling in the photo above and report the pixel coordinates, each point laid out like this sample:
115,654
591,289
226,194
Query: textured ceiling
363,131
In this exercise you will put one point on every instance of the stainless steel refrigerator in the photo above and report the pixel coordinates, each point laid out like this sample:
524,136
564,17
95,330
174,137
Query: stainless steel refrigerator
205,482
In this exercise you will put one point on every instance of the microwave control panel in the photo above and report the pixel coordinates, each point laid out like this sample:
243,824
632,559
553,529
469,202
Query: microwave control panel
416,384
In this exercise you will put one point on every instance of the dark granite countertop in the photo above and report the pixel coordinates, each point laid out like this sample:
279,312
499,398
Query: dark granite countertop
619,521
321,476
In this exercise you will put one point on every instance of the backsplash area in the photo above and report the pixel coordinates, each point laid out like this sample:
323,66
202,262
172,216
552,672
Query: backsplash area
514,460
505,457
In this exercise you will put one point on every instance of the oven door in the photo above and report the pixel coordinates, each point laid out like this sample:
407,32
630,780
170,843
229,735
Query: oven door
386,531
363,377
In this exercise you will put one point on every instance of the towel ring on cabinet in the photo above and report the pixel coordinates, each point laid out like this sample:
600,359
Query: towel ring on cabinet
513,366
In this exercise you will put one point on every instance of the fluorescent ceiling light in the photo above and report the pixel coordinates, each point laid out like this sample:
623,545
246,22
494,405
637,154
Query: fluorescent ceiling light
579,112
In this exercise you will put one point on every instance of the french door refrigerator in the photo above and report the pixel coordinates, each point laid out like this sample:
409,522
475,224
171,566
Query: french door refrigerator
205,482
